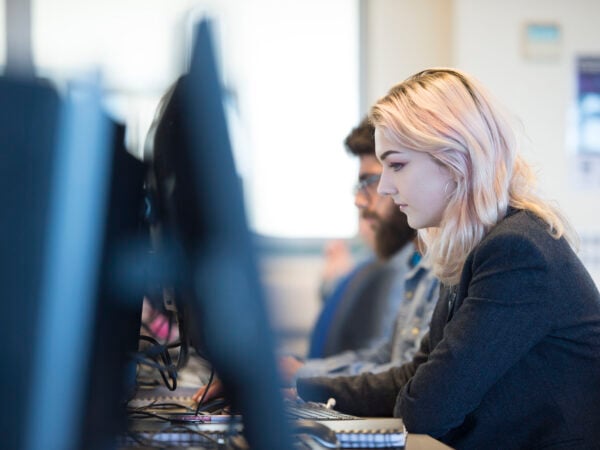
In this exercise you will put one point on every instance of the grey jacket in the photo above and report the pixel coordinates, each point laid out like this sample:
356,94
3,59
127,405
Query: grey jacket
512,359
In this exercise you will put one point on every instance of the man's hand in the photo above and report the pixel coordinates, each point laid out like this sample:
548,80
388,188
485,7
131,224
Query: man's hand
289,393
215,390
288,366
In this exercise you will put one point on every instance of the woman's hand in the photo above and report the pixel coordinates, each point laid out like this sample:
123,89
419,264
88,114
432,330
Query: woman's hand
215,390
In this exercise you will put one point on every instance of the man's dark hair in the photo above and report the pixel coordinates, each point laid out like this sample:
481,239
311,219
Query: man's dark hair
361,140
393,232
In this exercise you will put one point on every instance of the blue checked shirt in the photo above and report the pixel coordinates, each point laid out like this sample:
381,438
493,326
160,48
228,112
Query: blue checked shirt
420,289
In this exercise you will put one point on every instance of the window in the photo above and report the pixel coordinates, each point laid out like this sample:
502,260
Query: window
290,68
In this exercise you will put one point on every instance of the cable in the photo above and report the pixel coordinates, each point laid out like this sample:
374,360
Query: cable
183,356
210,379
161,351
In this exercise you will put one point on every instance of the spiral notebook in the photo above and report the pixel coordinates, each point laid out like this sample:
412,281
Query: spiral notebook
369,433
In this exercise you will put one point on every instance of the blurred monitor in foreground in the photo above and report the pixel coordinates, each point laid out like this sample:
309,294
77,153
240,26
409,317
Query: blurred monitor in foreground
74,196
203,228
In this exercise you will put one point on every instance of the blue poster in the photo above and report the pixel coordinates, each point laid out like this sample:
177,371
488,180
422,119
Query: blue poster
585,172
588,105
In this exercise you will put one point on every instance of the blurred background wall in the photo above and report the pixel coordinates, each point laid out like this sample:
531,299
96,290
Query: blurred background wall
299,74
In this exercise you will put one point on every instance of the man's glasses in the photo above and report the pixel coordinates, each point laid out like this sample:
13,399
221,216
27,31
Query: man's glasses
365,186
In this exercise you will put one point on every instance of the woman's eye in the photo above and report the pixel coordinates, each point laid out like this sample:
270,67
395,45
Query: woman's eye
396,166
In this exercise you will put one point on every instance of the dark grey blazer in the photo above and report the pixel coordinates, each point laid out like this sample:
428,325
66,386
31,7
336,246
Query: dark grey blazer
512,359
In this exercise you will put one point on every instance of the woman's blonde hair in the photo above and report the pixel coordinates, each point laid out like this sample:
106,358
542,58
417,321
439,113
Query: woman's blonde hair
448,114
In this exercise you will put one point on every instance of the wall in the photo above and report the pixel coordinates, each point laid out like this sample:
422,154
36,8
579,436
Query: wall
487,41
401,37
292,290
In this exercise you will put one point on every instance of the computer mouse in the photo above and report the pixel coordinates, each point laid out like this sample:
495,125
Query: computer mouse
317,431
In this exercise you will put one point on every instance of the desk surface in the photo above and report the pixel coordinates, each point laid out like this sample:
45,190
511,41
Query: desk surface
423,442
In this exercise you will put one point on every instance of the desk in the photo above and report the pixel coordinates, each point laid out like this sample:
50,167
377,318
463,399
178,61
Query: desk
423,442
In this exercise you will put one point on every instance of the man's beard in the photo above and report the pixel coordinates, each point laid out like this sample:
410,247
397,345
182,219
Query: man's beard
391,233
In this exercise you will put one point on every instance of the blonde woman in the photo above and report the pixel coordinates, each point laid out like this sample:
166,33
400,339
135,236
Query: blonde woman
512,358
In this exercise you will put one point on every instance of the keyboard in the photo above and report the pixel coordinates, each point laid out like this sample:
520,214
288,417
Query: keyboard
298,409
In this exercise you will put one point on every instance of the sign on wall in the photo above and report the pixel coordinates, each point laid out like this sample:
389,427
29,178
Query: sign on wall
586,126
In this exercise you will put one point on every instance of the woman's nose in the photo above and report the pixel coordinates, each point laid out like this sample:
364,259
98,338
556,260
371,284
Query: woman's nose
385,187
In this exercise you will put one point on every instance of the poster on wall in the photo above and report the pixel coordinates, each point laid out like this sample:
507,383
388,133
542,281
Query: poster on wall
587,124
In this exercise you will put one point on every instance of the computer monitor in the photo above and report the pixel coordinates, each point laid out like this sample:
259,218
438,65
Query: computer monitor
203,223
117,319
71,232
58,161
29,118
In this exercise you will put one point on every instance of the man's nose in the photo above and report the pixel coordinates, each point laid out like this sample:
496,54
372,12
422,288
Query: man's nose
361,200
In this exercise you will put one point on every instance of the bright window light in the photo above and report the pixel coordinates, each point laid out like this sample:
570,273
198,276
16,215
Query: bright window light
290,68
